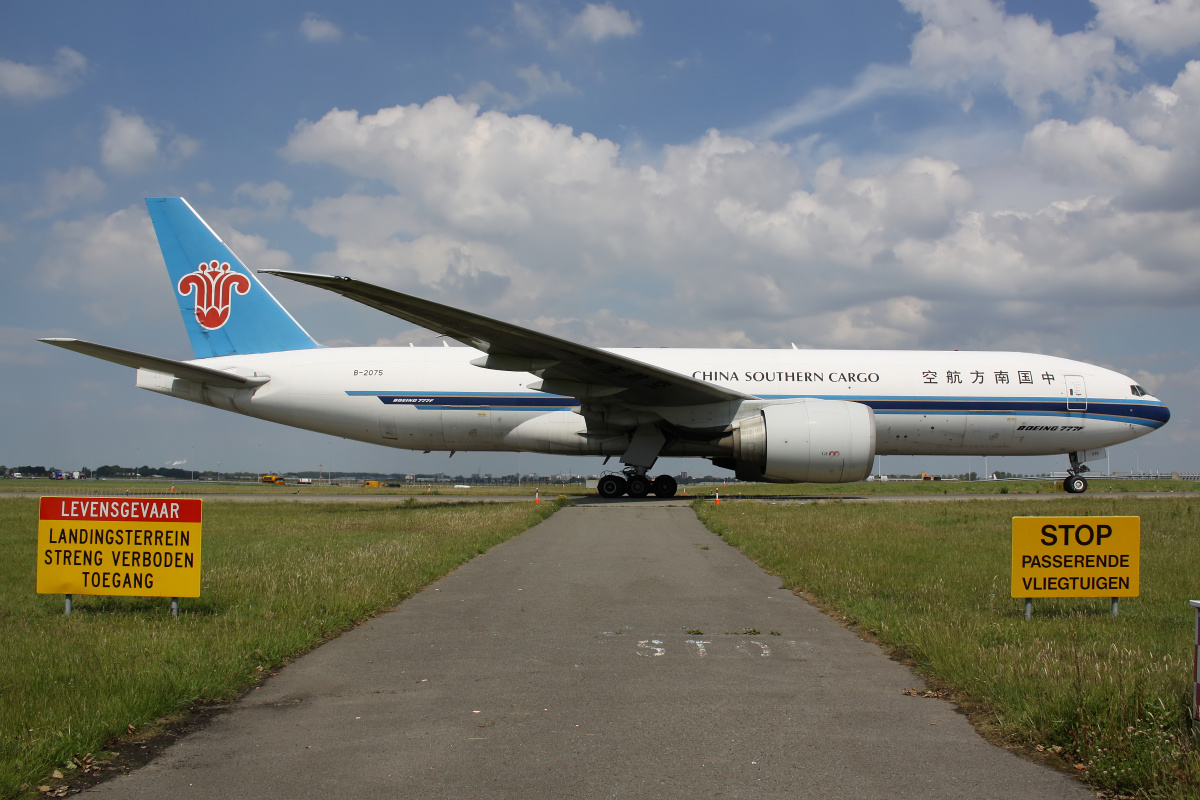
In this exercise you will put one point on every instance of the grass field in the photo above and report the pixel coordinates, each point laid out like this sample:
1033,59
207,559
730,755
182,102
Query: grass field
931,581
278,578
201,488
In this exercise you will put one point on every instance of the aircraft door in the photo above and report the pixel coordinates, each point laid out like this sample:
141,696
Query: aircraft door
1076,393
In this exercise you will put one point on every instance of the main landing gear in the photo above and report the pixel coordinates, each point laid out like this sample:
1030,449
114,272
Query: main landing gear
1075,482
636,484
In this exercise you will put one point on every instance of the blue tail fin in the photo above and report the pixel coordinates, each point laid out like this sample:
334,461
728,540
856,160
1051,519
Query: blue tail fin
225,309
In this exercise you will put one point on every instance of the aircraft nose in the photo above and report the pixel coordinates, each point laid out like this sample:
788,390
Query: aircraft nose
1158,413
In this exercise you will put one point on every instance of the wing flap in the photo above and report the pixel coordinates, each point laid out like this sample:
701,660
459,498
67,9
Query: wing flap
180,369
510,346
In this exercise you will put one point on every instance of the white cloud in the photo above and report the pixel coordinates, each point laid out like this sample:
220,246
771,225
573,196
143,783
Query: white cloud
871,325
182,147
538,85
530,22
1095,151
966,46
542,85
1142,150
19,346
64,189
255,253
316,29
515,214
109,265
599,22
555,31
272,198
873,82
970,40
1151,26
131,145
26,82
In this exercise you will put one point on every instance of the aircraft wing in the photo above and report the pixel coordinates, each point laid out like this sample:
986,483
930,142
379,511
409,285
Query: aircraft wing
180,369
566,368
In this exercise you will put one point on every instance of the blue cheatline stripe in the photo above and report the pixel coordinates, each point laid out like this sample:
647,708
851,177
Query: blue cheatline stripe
495,402
1152,415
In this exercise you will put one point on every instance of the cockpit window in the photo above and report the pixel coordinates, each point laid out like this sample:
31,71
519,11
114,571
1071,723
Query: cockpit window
1138,391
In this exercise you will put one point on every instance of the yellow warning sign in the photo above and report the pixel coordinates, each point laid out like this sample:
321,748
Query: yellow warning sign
1076,556
128,546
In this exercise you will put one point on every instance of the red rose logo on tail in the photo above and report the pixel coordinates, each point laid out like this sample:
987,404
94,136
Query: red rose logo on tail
214,284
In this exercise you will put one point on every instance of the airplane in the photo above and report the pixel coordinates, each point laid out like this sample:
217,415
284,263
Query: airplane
777,415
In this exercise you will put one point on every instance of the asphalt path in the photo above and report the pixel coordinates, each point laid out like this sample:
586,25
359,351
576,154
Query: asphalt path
612,651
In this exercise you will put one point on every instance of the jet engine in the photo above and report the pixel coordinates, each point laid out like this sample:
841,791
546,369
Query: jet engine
808,441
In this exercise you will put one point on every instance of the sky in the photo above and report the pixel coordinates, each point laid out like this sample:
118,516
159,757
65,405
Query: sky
883,174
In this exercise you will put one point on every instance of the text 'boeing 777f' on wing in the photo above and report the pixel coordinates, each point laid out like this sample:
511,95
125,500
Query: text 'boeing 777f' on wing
771,415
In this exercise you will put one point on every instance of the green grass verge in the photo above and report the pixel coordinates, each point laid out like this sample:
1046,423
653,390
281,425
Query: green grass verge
278,578
924,488
156,487
931,581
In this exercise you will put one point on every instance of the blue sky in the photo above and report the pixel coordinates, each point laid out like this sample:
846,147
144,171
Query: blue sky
934,174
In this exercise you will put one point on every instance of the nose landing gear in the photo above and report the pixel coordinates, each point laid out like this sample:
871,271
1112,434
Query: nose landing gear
1075,482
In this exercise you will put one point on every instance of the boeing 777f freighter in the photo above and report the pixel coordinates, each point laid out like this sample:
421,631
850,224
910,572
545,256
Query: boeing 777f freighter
768,415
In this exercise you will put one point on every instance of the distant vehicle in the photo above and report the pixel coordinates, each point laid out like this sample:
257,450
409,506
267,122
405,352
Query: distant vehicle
16,474
271,478
779,415
304,481
371,484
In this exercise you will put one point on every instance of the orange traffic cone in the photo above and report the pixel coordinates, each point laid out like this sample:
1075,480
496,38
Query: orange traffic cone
537,496
718,494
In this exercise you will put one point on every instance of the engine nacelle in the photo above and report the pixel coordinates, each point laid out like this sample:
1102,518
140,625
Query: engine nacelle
809,441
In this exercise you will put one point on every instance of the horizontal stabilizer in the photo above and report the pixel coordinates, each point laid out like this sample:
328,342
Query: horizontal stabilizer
180,369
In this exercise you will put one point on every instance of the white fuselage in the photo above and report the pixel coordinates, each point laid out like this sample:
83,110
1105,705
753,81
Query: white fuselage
964,403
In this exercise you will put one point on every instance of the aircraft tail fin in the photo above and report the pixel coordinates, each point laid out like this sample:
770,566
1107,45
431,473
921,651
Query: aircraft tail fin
225,308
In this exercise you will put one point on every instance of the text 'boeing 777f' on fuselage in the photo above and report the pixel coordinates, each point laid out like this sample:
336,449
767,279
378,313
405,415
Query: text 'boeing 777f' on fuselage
770,415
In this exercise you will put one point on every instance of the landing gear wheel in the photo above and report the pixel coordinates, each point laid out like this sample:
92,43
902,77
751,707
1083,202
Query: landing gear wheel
638,486
664,486
1075,484
610,486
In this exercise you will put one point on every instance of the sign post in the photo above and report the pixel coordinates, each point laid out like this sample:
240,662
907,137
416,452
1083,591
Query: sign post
129,546
1075,557
1196,668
